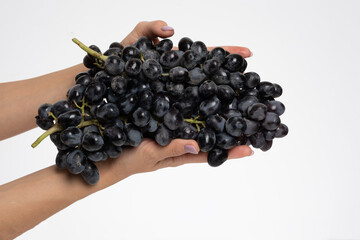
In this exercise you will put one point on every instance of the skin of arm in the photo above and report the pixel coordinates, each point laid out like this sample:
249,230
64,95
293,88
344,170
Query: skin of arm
27,201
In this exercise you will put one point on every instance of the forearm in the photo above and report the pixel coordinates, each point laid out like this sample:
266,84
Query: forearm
20,100
27,201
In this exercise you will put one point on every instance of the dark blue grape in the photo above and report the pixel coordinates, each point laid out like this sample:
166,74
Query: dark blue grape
71,136
90,174
92,142
185,44
114,65
206,139
217,156
76,161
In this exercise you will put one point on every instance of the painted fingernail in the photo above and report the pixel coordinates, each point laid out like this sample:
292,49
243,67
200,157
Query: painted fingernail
190,149
167,28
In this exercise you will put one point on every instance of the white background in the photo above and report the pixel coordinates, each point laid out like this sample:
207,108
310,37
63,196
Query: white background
306,187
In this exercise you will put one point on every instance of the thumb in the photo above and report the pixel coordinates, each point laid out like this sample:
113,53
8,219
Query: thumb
153,30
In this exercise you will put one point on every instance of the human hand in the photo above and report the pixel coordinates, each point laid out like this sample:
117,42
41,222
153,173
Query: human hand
149,156
156,29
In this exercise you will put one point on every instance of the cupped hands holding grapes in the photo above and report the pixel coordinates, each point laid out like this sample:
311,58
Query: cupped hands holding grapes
56,189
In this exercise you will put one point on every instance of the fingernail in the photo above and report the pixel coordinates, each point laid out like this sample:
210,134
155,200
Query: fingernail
251,54
190,149
167,28
252,153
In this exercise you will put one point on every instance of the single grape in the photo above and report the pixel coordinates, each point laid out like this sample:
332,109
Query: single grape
146,98
189,60
116,45
90,173
130,52
152,69
76,161
209,106
217,156
186,131
278,90
266,89
237,80
140,117
178,74
95,92
115,135
144,43
61,107
235,126
70,118
222,76
281,131
252,79
225,141
200,49
107,113
133,135
207,89
271,121
170,59
71,136
251,127
60,160
185,44
196,76
84,79
76,93
225,93
257,140
206,139
162,135
133,67
211,66
92,142
127,104
164,46
160,106
119,85
216,122
114,51
275,107
173,118
269,135
257,111
267,145
233,62
114,65
245,103
219,54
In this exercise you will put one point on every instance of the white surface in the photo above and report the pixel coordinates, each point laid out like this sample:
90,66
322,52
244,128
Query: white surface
306,187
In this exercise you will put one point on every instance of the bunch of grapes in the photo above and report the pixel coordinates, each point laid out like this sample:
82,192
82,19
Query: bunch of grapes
152,91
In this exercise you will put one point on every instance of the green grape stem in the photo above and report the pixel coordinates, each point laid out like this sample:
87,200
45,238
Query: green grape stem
53,129
58,128
189,120
89,50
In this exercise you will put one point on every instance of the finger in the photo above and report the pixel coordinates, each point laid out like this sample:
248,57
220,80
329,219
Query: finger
236,152
243,51
151,29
